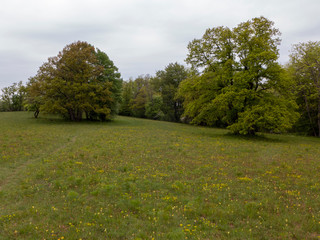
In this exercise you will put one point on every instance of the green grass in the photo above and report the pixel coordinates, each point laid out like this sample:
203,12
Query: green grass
141,179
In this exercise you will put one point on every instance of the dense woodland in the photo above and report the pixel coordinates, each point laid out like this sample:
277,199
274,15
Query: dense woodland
233,80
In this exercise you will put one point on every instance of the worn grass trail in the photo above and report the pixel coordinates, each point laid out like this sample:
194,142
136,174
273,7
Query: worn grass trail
141,179
23,144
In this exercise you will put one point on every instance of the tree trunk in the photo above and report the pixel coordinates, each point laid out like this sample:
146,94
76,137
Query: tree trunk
78,115
71,114
36,113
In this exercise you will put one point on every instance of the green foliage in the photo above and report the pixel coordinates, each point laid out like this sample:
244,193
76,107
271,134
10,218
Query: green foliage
166,84
198,92
112,76
153,108
12,98
155,97
2,106
275,115
215,46
239,87
127,96
304,68
136,94
78,80
138,103
35,95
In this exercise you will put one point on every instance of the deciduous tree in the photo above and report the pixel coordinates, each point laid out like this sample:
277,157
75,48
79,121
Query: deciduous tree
305,70
166,84
238,87
13,97
78,80
153,108
141,94
127,96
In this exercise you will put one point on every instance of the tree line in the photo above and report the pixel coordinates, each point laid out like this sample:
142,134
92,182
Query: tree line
155,97
234,80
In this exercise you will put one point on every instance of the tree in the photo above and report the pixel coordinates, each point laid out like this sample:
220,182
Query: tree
13,97
238,84
138,103
127,96
155,97
141,94
153,108
304,68
34,97
166,83
78,80
112,76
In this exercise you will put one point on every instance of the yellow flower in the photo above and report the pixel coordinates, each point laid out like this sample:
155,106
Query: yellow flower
245,179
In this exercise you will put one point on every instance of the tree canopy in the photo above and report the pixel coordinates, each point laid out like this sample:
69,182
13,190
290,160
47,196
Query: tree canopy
304,68
155,97
166,83
12,97
79,80
239,79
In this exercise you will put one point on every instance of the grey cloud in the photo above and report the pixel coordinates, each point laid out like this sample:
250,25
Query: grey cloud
140,36
14,67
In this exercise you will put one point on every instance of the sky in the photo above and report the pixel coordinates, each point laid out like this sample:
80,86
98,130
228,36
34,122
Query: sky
140,36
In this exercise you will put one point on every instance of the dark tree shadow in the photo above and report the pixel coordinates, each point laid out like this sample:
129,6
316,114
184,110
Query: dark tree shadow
259,137
50,119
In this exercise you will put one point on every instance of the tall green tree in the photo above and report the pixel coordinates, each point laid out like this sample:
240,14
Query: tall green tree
142,94
304,68
35,95
78,81
127,96
238,87
166,83
154,108
138,103
111,75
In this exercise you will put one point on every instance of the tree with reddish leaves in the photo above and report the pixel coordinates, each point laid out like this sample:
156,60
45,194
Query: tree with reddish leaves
78,82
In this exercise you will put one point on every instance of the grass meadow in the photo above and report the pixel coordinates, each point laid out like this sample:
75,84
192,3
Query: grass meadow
142,179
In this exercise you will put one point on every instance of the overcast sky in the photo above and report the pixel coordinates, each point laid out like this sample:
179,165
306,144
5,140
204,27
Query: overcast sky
140,36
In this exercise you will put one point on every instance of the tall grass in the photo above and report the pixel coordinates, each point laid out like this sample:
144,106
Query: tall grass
142,179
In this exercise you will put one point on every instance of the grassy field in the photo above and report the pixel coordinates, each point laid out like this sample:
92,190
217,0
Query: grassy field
141,179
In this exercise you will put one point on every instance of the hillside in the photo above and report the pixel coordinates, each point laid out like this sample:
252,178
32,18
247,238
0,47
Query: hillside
142,179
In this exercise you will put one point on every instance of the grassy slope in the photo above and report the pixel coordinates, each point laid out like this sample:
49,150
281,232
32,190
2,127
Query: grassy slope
142,179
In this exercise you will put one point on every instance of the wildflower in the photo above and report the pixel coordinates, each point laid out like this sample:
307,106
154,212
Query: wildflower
245,179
